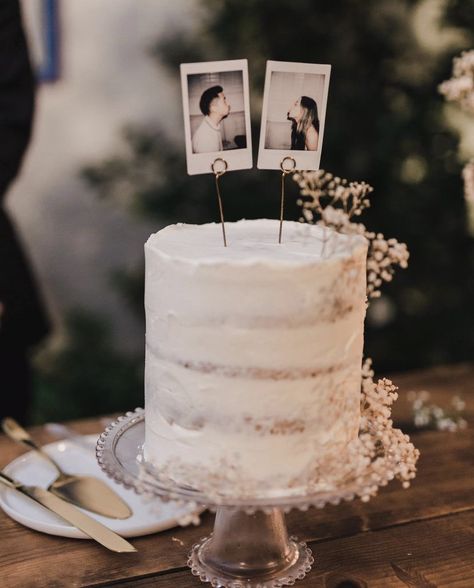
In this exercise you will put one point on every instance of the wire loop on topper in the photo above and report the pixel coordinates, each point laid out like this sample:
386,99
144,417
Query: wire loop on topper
222,162
288,170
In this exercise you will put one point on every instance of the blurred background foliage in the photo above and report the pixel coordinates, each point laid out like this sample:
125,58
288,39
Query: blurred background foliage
385,124
88,376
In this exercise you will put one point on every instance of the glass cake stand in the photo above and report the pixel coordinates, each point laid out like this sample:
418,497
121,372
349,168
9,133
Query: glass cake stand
250,546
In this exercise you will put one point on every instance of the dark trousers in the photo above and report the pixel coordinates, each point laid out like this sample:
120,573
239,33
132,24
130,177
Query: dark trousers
23,321
15,381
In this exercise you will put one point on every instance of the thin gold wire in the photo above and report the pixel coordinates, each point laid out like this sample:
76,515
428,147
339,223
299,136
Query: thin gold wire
284,172
217,175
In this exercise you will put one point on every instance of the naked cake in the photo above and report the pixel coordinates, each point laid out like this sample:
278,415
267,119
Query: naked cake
253,351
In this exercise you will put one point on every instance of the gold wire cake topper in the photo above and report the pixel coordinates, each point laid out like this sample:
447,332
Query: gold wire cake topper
219,168
216,109
287,166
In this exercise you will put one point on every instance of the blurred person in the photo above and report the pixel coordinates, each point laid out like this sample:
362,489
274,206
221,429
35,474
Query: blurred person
305,124
215,108
23,320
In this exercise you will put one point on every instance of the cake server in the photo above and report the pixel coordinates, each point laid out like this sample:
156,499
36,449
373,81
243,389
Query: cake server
84,491
61,431
71,514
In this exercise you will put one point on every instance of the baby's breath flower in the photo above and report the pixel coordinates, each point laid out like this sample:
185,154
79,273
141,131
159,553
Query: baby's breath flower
428,415
394,455
337,202
460,88
468,177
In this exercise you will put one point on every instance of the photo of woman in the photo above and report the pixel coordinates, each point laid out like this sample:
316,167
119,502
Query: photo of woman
303,114
293,114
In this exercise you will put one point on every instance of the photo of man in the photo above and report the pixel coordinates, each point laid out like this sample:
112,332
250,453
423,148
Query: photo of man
215,107
216,111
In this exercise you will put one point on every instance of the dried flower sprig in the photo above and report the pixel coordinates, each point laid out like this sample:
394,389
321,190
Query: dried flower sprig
382,258
334,202
468,177
460,88
430,416
394,453
325,190
380,452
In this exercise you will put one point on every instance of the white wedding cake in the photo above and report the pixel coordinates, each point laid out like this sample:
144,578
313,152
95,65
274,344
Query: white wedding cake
253,351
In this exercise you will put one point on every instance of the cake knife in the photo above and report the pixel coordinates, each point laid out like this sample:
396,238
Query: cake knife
71,514
84,491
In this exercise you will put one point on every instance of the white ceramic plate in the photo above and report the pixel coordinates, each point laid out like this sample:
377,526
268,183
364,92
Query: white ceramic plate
30,468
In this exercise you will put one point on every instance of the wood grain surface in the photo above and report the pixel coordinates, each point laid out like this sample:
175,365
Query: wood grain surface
420,537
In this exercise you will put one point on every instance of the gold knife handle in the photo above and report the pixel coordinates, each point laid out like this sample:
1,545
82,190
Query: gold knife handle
8,481
17,433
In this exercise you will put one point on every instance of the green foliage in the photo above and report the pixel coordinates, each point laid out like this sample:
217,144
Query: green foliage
87,376
131,285
385,125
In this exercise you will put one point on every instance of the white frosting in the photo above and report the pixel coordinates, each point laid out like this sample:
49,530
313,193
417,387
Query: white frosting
254,350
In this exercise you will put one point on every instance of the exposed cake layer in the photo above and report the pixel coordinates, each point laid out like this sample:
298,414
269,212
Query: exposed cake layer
312,276
237,349
189,397
272,428
253,351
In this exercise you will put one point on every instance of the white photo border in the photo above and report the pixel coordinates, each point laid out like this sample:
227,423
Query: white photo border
305,160
200,163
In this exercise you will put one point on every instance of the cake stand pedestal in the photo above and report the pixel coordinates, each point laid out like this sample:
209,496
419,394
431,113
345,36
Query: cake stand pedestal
250,546
250,550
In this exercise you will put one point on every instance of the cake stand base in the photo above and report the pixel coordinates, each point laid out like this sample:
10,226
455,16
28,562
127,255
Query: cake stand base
250,551
250,547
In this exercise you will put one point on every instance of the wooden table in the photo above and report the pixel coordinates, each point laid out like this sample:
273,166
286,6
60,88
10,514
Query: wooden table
420,537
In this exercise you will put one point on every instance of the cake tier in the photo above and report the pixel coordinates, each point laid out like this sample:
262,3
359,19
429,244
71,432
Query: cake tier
253,351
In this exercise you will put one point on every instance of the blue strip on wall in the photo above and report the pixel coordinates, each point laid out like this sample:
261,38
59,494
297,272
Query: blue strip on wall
49,71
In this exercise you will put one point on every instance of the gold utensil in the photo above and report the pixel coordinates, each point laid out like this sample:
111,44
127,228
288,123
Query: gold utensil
71,514
84,491
60,431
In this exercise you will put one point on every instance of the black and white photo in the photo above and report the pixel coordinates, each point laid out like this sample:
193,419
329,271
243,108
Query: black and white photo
216,115
294,110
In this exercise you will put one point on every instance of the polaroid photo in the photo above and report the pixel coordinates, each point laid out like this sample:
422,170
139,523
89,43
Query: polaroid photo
216,111
293,115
